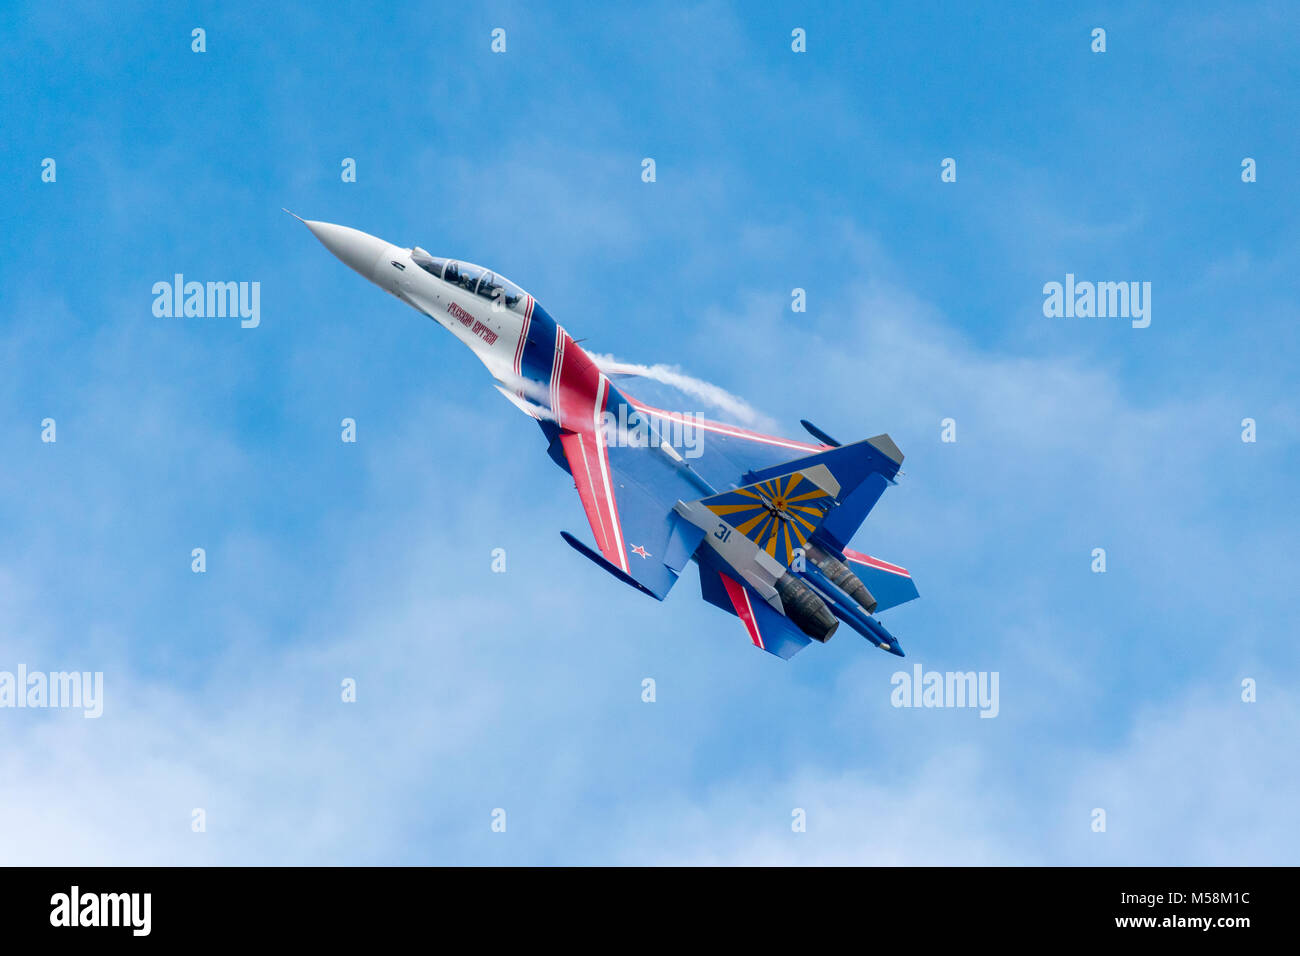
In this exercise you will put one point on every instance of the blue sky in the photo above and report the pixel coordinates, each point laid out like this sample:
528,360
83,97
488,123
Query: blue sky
522,690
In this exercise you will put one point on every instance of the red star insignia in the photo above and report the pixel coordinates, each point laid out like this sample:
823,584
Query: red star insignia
637,549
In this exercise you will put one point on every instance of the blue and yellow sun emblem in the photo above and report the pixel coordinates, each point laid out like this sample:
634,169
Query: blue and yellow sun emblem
778,515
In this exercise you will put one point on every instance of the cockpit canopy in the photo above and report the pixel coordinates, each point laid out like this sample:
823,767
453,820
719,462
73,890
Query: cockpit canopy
472,278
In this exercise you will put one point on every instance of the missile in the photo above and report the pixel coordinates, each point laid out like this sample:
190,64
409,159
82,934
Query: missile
886,641
849,610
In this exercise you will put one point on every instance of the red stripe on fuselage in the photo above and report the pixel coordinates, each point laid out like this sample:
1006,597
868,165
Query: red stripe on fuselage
556,361
523,338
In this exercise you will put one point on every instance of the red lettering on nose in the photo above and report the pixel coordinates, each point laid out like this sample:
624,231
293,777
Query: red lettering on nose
463,317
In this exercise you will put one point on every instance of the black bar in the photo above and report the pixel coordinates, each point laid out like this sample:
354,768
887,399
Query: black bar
334,905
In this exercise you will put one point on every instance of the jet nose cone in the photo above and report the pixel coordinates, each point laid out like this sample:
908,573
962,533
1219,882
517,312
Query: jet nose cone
356,249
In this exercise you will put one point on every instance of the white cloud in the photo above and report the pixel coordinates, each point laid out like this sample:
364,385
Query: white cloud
1207,781
521,690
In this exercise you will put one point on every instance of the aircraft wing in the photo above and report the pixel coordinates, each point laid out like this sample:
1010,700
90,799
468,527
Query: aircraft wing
719,452
628,494
889,584
727,456
628,488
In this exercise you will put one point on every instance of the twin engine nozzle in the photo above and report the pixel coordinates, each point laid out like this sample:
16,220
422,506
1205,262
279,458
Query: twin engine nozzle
839,574
824,592
805,606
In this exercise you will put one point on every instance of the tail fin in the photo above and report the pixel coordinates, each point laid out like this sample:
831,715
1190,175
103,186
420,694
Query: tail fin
777,513
862,470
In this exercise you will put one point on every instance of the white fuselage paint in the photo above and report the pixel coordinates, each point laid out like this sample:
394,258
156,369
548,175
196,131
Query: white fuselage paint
441,301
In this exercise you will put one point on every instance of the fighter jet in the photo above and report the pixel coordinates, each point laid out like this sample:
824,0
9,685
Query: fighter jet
767,520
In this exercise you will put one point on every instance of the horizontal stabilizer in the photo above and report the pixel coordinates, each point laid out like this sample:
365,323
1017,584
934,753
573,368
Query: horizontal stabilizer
888,583
767,629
